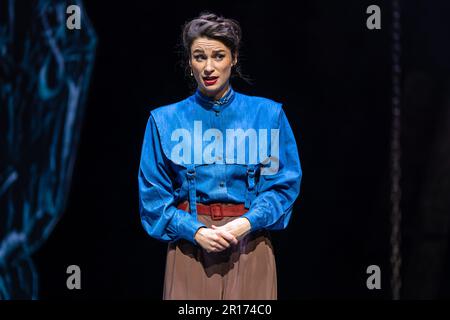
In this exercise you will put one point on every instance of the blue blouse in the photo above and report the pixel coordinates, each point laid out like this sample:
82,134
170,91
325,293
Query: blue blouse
238,149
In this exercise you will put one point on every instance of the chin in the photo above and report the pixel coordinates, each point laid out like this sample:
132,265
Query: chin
215,87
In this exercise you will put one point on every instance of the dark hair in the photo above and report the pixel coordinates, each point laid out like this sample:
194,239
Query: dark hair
210,25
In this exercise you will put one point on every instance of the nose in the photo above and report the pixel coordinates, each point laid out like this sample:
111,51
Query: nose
209,68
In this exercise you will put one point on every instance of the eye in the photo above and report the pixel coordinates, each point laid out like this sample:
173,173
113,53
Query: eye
220,56
199,57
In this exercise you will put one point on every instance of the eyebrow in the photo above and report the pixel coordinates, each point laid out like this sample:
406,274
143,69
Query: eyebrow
215,51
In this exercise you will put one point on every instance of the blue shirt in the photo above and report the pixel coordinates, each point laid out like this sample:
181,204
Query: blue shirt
242,150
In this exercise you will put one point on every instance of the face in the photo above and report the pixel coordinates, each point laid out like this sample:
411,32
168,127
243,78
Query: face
211,63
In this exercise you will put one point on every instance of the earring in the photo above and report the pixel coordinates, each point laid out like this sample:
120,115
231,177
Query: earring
192,73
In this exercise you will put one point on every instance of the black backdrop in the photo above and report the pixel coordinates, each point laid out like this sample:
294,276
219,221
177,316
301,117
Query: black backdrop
333,76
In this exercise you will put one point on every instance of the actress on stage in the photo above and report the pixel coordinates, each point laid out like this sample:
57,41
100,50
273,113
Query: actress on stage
219,170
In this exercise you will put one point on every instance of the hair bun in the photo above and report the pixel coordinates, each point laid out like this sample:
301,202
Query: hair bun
209,16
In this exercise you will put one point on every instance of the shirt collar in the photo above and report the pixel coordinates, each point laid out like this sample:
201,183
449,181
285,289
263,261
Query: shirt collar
216,105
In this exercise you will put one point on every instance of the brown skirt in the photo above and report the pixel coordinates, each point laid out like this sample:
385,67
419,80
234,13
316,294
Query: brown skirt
241,272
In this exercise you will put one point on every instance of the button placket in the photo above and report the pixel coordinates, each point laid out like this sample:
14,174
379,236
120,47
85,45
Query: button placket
222,168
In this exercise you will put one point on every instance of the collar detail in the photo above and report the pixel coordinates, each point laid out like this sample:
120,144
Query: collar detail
216,105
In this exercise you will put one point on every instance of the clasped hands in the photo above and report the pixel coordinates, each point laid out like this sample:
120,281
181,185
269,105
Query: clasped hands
216,239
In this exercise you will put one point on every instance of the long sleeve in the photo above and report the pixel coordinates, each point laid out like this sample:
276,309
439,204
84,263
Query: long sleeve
159,215
272,207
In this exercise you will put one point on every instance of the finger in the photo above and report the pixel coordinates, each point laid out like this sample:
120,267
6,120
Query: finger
223,242
228,236
217,245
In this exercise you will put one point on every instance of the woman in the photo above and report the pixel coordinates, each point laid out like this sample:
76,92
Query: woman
218,170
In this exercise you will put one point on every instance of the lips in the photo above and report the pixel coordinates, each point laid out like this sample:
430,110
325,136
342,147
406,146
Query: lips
209,81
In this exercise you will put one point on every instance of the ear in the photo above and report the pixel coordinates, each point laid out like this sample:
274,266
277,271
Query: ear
235,58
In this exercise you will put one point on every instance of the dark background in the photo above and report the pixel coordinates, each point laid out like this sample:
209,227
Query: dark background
333,76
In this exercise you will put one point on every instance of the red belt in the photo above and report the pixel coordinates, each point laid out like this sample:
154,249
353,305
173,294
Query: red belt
216,210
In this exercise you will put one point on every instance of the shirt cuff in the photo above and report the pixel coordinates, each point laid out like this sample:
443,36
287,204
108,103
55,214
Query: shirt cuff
188,226
252,217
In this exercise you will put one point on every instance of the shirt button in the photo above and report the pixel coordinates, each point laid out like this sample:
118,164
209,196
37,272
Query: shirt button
217,113
222,184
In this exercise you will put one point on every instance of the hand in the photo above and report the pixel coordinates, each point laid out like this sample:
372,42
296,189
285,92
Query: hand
239,227
214,240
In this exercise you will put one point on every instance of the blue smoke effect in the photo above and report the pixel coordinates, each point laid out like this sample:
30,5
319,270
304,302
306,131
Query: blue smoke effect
44,77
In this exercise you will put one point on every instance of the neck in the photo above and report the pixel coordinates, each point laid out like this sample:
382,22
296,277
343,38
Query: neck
218,95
